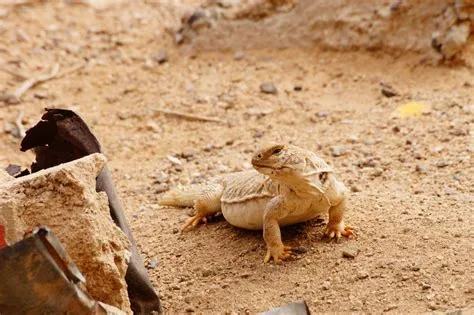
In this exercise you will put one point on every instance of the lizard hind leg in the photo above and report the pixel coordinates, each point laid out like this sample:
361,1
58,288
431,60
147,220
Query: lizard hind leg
207,204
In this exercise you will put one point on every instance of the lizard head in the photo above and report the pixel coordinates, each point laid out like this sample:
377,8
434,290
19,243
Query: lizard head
279,160
295,167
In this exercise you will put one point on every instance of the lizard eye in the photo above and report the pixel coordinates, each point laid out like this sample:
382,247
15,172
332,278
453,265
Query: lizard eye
277,151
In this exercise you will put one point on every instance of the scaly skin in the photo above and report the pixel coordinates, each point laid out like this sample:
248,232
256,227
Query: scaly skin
288,185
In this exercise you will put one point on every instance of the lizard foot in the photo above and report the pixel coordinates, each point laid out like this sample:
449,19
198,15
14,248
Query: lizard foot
278,252
194,221
338,230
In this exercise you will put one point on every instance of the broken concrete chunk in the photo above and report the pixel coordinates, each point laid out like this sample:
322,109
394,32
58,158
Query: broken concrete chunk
64,198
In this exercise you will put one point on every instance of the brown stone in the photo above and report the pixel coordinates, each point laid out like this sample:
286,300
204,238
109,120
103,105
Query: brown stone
65,199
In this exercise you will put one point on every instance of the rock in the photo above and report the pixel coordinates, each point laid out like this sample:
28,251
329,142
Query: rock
153,263
441,164
337,151
161,57
390,307
4,176
378,171
454,40
355,188
245,275
387,90
458,132
361,275
174,160
350,251
298,88
421,168
160,188
64,198
300,249
425,286
326,285
206,272
239,55
258,134
175,230
268,88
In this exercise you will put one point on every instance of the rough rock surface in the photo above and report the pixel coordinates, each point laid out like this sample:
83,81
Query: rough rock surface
4,176
64,198
412,25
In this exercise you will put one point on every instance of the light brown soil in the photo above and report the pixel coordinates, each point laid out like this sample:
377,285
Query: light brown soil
413,214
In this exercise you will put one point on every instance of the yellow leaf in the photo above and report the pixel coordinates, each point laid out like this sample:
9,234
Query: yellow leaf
410,109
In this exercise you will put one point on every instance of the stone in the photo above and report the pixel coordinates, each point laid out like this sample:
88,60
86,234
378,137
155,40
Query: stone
4,176
422,168
239,55
350,251
161,56
64,198
337,151
268,88
326,285
153,263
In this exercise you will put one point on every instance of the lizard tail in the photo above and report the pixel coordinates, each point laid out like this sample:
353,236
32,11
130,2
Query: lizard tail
182,197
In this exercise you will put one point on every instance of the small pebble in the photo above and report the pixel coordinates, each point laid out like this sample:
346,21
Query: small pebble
350,251
362,275
422,168
378,171
245,275
153,263
300,249
174,160
390,307
387,90
160,188
338,151
268,88
441,164
206,272
355,188
425,286
326,285
161,57
239,55
175,230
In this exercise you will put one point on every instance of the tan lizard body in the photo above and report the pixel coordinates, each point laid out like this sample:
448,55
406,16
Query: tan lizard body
288,185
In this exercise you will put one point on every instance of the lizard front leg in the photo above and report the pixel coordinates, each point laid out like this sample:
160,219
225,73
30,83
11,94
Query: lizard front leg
274,211
336,227
207,204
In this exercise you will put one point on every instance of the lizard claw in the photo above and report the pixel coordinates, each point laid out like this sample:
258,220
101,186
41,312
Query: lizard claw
194,221
278,253
338,230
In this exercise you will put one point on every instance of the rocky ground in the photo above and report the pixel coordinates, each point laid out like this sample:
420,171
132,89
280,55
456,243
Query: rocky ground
411,177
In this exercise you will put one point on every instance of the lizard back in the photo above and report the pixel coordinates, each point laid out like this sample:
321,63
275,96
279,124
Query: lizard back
247,185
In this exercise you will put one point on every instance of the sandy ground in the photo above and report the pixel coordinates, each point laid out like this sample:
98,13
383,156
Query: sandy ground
412,178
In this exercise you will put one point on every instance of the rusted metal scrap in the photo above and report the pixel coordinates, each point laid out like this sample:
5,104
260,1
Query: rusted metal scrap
62,136
39,277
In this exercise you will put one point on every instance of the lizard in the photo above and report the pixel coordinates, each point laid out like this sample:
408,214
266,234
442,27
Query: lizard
287,185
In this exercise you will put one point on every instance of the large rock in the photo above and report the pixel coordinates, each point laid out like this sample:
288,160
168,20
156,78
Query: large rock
65,199
4,176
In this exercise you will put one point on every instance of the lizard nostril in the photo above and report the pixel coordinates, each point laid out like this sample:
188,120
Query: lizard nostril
259,156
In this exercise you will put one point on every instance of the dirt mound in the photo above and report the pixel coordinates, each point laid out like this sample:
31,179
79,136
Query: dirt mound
438,27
